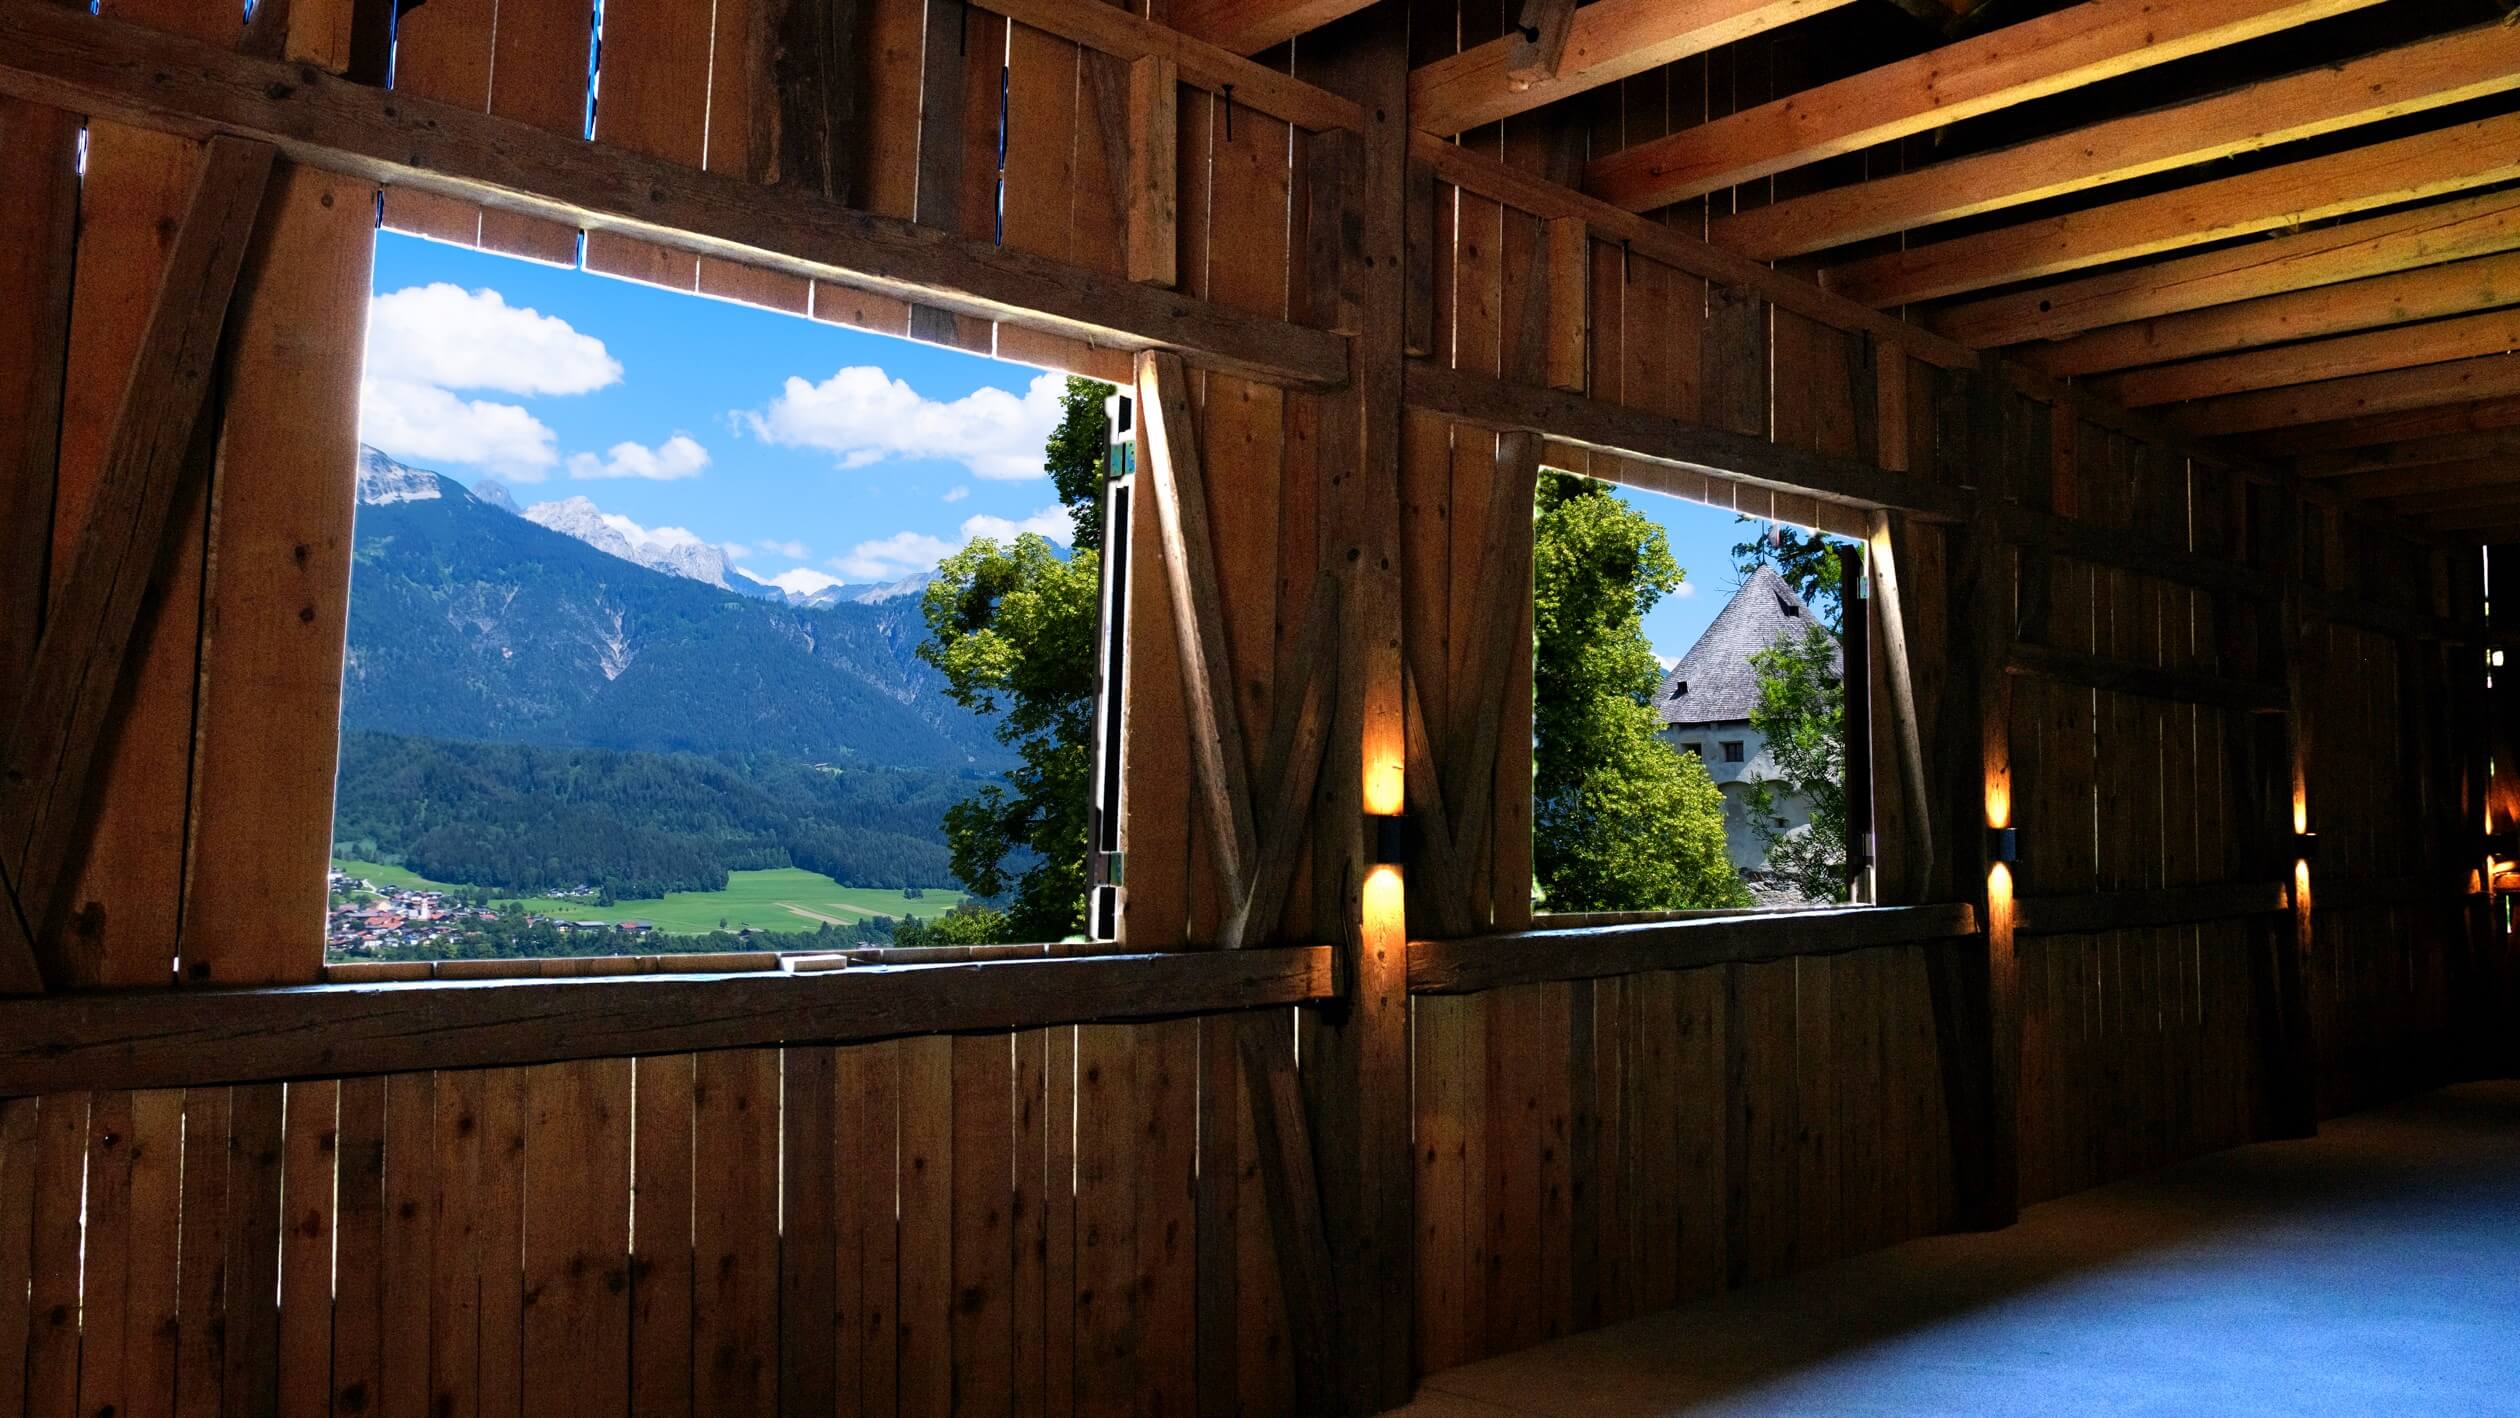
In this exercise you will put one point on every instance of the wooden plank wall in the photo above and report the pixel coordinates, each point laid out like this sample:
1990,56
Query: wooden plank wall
985,1223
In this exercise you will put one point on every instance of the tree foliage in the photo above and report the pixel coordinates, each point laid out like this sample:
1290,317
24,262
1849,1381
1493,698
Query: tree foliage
1807,560
1621,820
1802,714
1075,454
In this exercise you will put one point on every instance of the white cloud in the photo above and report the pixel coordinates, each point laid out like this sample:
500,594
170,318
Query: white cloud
1668,662
443,335
746,551
1685,589
426,342
1052,522
802,581
908,553
957,493
678,457
425,424
863,416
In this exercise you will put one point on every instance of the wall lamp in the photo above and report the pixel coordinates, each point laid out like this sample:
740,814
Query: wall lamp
1393,838
2305,846
2504,845
2003,844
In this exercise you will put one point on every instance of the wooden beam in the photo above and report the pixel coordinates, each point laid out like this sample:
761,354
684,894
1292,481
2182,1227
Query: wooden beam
2078,45
1468,168
107,68
1502,617
1249,26
2144,910
2426,293
1125,34
1610,40
60,733
1154,171
2375,430
1570,303
2122,550
2374,89
2428,452
1488,962
1290,769
1538,55
2148,681
2501,495
1916,795
2432,385
186,1038
1603,427
2492,332
2429,478
2374,246
1441,886
1290,1183
1179,482
2467,155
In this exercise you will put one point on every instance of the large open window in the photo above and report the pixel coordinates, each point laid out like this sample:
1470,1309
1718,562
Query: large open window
1690,706
680,625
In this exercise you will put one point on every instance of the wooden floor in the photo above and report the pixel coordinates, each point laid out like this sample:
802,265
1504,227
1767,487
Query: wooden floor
2373,1270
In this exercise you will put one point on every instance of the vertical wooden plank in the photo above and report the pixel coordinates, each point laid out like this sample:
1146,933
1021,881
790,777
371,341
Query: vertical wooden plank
875,1194
1154,195
455,1300
105,1275
577,1237
809,1244
538,75
1703,1123
1771,1119
739,80
52,1344
1855,1032
1443,1236
1106,1219
38,244
200,1352
735,1237
360,1278
661,1280
1166,1122
125,910
927,1226
1569,268
1515,1133
1059,1268
151,1296
310,1148
655,102
1556,1225
1218,1319
410,1251
278,596
1039,1174
983,1223
20,1127
251,1289
500,1195
442,52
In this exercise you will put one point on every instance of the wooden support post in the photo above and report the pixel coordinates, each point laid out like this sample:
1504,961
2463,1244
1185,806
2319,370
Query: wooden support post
1179,482
63,724
1291,1183
1857,647
1975,983
1154,171
2288,1058
1539,47
1917,798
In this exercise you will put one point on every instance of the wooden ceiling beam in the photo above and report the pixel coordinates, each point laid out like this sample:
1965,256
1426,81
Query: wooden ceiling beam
2391,84
2398,391
2480,225
2410,169
108,68
2427,293
2414,453
2502,498
1249,26
2470,519
2078,45
1608,41
2441,477
2378,430
2370,352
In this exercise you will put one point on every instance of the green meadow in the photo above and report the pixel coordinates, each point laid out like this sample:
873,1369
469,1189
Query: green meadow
788,899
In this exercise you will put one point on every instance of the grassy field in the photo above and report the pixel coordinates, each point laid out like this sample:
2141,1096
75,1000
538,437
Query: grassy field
785,900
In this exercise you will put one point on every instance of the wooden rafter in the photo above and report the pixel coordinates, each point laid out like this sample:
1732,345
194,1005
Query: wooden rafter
111,69
1538,55
1249,26
57,739
1178,480
2078,45
2370,352
2419,425
2426,293
1125,34
2502,494
2489,446
2374,246
2463,156
2430,386
1608,41
1290,768
2391,84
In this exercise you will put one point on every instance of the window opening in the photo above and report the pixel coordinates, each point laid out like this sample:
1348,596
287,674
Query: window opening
685,626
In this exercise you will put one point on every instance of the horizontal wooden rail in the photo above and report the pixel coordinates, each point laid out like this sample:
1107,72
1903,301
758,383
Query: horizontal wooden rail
2132,910
2362,893
2148,681
1589,423
65,58
2133,551
2346,608
1474,963
180,1037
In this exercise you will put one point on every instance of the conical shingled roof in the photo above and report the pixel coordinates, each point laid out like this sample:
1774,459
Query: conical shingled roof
1715,682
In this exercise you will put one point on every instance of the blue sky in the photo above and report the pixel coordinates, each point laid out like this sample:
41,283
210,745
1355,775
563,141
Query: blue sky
812,452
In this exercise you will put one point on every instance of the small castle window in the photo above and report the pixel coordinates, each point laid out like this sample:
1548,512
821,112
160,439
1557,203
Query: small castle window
1732,750
1679,687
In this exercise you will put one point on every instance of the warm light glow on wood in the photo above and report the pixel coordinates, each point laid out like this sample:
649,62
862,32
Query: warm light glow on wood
2301,885
2301,814
1999,895
1384,900
1386,782
1999,803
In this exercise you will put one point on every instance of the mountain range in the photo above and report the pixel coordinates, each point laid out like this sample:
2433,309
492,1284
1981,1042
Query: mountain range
470,619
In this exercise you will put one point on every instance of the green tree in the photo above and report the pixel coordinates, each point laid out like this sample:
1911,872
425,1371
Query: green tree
1807,560
1621,820
1074,457
1012,630
1802,714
